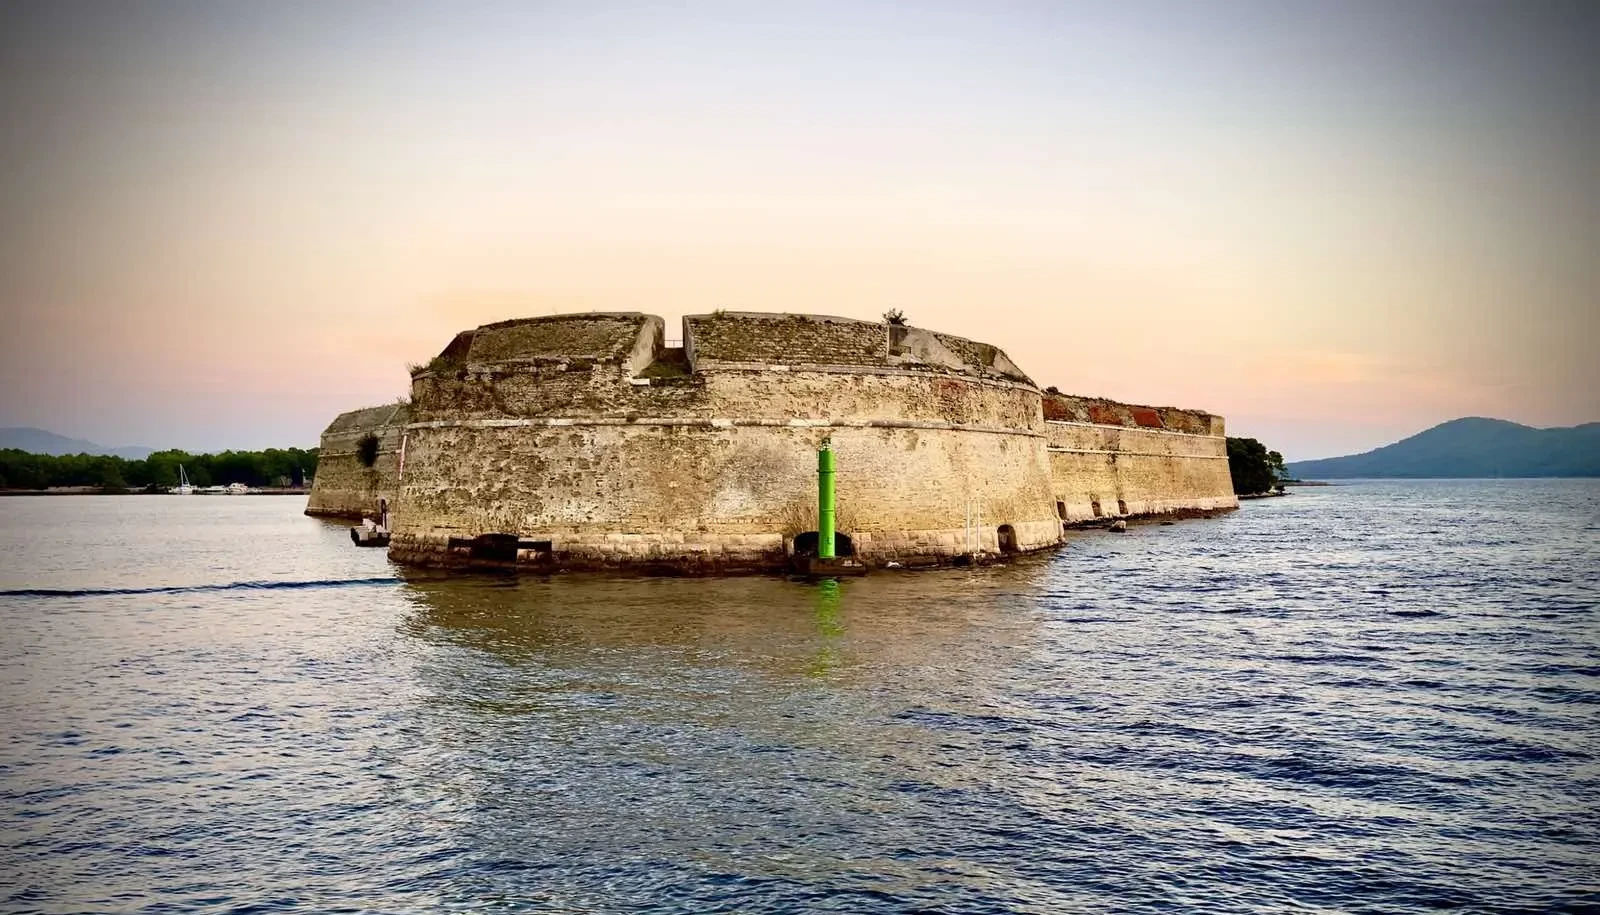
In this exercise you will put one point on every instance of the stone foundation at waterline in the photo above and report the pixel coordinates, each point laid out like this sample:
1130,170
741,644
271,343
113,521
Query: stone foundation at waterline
584,441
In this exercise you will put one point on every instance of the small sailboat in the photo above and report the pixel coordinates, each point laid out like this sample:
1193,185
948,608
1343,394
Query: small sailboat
184,487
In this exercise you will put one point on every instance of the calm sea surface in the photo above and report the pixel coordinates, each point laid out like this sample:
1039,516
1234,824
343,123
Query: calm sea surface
1380,697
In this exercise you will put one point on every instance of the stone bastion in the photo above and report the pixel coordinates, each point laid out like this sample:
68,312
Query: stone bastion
346,486
586,441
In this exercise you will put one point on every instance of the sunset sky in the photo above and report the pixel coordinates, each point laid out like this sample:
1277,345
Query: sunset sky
1334,223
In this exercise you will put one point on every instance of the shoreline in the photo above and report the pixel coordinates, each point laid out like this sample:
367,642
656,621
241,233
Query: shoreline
1262,495
98,491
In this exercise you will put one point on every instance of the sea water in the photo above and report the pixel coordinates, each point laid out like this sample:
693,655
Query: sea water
1376,697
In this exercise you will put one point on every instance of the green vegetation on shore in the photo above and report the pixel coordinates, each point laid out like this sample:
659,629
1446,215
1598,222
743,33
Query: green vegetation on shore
272,467
1254,469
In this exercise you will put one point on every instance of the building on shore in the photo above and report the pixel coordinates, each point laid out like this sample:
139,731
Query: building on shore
585,441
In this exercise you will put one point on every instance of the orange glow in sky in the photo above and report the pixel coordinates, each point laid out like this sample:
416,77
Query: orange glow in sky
1334,226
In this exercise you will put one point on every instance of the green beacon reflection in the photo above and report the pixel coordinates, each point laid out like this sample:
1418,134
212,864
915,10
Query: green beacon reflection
826,600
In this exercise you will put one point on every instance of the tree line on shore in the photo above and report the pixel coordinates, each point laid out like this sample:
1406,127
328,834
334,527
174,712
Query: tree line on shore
1254,469
272,467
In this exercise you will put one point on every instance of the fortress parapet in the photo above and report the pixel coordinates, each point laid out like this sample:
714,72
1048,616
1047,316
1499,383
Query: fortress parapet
578,441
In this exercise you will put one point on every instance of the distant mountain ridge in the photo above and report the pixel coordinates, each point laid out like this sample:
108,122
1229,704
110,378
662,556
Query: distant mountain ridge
1471,447
42,441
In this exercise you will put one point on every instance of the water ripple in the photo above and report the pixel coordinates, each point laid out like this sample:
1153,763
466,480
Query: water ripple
187,589
1372,698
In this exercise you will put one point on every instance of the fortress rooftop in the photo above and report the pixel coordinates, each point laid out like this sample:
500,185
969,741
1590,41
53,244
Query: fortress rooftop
606,337
744,338
728,341
368,418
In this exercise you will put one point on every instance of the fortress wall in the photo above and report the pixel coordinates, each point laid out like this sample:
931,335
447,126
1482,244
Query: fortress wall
343,486
718,495
740,368
554,366
886,395
594,445
731,340
535,390
1102,412
1150,471
715,469
607,337
789,393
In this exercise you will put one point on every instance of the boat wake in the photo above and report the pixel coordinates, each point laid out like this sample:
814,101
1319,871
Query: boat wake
184,589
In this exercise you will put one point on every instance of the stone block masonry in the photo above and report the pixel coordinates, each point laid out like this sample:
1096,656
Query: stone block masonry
583,441
1112,460
344,486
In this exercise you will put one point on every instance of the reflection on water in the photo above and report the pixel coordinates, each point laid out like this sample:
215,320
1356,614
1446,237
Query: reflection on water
828,591
781,625
1369,698
670,729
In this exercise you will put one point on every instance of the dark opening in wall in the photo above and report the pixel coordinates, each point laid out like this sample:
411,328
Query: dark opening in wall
1061,510
1122,507
498,547
806,544
494,547
1094,504
1007,536
367,450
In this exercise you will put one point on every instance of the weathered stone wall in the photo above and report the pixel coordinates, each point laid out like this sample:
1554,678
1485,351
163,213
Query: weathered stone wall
1099,411
1111,459
729,340
603,460
343,486
601,338
717,495
591,443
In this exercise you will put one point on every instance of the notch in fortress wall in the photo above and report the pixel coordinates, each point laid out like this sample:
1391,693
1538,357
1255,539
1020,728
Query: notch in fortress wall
585,441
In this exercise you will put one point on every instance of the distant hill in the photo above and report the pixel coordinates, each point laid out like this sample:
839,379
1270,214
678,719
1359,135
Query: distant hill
40,441
1471,447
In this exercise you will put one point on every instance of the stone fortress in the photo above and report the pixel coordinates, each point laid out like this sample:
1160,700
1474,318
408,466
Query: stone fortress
586,441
